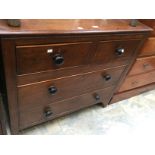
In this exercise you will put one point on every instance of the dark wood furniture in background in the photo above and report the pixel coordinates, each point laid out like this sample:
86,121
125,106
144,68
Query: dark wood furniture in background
54,67
141,77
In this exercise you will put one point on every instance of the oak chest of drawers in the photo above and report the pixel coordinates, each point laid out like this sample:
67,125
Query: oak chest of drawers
54,67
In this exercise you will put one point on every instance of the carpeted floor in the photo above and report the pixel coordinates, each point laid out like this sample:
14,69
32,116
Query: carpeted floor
136,114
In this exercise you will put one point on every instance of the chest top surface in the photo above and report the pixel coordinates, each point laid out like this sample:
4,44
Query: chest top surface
68,26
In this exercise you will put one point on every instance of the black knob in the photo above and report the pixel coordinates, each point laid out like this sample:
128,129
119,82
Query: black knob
52,90
97,97
120,51
48,112
58,59
107,77
146,65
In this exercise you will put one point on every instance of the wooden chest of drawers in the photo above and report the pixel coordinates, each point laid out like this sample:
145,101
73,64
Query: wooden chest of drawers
55,67
141,76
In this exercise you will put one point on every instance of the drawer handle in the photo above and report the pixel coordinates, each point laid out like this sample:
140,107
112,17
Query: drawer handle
52,90
97,97
120,51
134,83
146,65
58,59
107,77
48,112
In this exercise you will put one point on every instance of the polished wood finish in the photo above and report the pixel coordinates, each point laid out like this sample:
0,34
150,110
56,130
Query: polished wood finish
107,51
132,92
93,62
67,87
143,65
148,48
150,23
34,114
9,61
141,76
27,79
36,58
93,59
70,26
137,81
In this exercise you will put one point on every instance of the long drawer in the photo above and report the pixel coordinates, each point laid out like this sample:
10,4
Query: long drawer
38,58
60,89
135,81
143,65
44,111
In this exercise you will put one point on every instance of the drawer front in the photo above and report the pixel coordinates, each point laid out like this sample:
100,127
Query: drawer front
138,81
33,115
39,58
60,89
143,65
109,52
148,47
32,59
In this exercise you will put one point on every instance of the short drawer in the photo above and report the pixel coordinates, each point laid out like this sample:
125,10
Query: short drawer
112,51
143,65
39,58
32,115
148,47
135,81
60,89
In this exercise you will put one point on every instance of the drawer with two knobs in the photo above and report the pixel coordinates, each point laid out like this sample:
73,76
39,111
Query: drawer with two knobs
59,92
32,114
59,89
41,58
